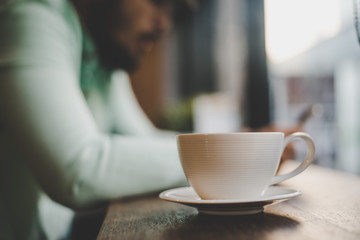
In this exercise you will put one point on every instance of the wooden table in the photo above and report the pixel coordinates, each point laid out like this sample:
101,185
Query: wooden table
329,208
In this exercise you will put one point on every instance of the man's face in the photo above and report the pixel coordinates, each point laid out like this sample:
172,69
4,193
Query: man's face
130,29
141,23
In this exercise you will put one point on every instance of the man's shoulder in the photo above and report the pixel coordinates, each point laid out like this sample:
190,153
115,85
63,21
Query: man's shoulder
50,12
37,30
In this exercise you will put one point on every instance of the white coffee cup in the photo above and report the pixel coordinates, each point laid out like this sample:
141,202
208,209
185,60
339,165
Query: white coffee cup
237,165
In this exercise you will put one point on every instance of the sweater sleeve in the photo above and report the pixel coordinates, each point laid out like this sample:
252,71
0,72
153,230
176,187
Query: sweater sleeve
45,115
126,113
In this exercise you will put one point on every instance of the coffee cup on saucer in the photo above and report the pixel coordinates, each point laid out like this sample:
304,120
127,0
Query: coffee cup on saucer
237,165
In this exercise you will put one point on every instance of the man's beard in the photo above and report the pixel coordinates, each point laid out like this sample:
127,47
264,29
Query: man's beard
113,55
101,21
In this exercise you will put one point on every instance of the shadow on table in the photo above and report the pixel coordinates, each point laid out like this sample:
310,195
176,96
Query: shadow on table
86,224
230,227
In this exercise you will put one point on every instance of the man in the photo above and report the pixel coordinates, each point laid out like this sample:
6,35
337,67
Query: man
70,126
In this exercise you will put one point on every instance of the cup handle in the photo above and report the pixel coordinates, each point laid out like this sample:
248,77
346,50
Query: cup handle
308,159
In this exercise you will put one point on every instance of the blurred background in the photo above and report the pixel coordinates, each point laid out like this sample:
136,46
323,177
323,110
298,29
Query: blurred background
230,64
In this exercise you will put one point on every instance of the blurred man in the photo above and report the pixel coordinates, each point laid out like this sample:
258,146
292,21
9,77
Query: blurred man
70,126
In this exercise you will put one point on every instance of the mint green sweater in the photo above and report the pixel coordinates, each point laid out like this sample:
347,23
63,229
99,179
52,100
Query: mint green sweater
71,134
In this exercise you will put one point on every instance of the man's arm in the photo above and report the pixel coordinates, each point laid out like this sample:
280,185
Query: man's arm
127,115
44,112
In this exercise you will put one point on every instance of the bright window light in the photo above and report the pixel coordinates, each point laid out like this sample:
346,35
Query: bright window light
293,26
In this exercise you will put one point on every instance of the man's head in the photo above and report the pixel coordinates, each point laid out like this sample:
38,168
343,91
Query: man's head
124,30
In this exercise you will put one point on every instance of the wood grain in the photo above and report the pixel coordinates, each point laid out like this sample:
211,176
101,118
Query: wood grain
328,209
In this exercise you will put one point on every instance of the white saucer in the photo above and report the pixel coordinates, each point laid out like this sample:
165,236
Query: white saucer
187,196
